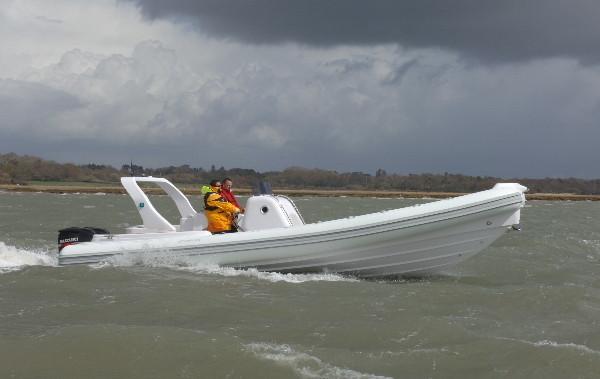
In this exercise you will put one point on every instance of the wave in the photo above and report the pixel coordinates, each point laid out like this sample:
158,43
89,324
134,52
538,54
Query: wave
14,259
552,344
570,345
303,364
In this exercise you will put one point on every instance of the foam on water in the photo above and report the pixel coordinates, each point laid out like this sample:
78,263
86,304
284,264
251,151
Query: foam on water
553,344
13,258
303,364
595,244
269,276
570,346
213,269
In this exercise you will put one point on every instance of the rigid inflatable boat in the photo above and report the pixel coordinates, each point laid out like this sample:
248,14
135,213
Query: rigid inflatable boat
416,240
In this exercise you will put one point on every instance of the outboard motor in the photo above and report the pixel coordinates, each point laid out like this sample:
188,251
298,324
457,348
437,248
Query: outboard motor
73,235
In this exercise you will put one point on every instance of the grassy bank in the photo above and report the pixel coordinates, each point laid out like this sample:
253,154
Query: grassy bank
60,187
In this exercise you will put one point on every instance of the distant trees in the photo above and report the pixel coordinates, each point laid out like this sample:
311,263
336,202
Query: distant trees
22,169
380,172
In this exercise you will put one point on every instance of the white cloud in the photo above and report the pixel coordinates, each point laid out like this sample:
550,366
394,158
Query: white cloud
36,33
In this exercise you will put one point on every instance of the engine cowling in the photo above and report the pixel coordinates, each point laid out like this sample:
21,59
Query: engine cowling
75,234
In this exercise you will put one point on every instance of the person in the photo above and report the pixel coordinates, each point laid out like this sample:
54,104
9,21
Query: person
218,211
228,195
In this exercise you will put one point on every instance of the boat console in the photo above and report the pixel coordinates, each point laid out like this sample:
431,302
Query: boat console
264,211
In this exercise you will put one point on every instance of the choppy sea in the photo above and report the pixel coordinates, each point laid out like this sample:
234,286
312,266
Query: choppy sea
526,307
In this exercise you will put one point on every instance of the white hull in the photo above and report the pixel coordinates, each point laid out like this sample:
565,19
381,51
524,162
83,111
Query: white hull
415,240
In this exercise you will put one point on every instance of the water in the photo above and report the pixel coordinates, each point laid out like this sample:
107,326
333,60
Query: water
528,306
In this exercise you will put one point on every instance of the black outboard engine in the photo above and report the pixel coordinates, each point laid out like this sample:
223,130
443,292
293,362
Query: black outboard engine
73,235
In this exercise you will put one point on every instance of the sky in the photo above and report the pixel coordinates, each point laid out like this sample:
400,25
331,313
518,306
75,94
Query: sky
478,87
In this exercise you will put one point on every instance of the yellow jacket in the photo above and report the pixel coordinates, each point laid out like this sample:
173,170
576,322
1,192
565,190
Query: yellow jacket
219,212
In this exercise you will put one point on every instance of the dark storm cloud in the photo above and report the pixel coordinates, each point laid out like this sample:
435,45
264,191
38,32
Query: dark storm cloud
491,30
26,106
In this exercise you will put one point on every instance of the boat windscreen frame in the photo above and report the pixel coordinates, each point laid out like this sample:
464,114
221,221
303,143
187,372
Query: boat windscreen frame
151,218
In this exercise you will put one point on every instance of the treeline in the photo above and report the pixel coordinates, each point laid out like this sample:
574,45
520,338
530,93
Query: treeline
15,169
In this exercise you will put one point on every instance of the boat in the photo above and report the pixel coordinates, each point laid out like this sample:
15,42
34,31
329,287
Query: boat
416,240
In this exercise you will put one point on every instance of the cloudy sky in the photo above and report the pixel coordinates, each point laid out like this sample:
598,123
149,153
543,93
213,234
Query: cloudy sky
507,88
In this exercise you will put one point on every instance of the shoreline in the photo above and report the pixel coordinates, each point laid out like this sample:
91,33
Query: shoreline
285,191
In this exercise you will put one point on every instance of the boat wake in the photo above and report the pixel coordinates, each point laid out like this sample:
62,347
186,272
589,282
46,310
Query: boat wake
14,259
269,276
213,269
